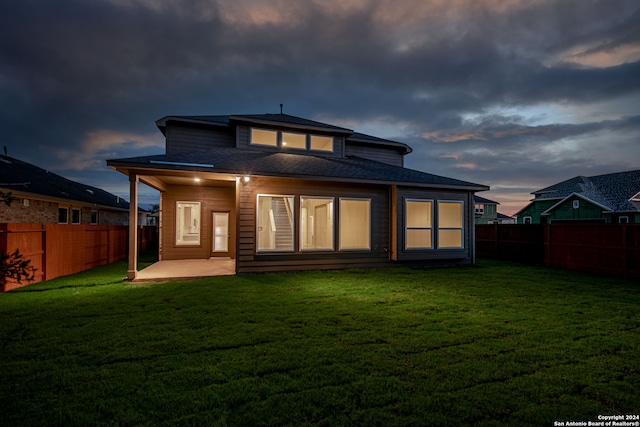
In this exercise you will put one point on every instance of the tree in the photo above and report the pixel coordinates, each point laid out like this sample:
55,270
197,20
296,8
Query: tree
14,266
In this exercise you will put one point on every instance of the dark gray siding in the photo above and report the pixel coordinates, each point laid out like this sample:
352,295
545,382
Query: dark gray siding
249,260
379,154
189,138
464,255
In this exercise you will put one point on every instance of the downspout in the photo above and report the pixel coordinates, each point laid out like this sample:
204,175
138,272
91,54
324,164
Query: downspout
132,271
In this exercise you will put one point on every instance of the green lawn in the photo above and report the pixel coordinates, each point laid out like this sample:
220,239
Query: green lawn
495,344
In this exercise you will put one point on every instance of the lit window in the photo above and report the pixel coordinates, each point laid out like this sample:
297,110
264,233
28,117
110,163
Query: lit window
321,143
94,217
63,215
419,224
316,223
264,137
275,223
450,225
75,216
187,223
355,224
294,140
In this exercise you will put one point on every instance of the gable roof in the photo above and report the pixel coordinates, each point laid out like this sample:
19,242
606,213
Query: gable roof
23,177
350,168
478,199
612,191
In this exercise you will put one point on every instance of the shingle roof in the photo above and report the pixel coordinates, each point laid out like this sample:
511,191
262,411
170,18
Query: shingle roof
235,161
610,190
479,199
16,175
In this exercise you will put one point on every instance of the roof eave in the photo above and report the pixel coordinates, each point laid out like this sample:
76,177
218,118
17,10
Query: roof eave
341,131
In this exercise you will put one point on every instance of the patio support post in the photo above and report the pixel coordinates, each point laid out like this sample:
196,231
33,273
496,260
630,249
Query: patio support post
132,272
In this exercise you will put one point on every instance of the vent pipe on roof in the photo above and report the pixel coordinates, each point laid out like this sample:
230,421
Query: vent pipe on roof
281,105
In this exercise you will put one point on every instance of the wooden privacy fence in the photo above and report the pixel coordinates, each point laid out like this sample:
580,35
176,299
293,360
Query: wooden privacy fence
599,248
59,249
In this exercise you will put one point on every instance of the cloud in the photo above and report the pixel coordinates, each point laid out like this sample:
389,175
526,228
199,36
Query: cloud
102,143
483,91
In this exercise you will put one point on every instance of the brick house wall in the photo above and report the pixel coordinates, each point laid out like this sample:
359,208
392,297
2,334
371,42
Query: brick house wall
46,212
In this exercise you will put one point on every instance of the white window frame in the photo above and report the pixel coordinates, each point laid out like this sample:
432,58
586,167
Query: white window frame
283,145
332,213
340,244
66,221
626,220
576,204
461,228
479,208
293,224
178,241
407,228
524,220
333,143
276,145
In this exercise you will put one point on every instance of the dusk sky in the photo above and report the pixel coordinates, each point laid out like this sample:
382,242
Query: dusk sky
516,95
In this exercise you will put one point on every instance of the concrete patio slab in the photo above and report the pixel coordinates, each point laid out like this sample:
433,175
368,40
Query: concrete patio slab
188,268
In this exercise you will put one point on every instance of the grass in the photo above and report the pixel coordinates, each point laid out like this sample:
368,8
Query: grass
496,344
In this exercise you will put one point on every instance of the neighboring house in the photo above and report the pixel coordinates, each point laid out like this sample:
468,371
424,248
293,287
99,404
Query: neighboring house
487,212
610,198
42,197
277,192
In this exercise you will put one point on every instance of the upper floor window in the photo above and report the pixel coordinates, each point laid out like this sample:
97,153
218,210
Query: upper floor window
264,137
286,140
294,140
321,143
479,209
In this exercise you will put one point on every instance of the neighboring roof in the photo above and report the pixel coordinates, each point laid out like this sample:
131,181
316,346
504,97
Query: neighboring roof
280,119
18,176
612,191
503,216
478,199
235,161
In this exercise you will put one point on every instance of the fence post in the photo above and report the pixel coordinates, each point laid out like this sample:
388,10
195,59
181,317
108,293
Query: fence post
547,245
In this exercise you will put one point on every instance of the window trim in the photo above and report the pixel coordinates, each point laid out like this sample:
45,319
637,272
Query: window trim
281,144
79,211
406,227
626,219
277,144
177,240
66,221
524,220
461,228
333,224
91,221
333,143
293,226
340,248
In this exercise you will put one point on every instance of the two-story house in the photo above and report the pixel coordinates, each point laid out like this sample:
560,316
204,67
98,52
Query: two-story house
277,192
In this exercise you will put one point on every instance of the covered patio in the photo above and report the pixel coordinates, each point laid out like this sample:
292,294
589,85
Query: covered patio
187,269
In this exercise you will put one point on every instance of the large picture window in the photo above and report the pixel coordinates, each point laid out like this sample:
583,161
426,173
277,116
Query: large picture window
316,223
450,225
419,224
187,223
355,224
275,223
